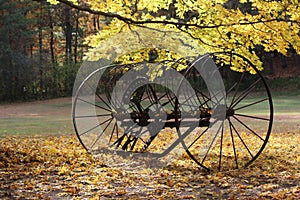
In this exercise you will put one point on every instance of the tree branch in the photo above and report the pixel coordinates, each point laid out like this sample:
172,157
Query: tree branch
140,22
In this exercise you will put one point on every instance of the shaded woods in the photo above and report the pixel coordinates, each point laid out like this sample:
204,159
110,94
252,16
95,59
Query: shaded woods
42,44
41,48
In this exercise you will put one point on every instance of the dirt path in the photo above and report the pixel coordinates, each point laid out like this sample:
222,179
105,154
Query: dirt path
36,108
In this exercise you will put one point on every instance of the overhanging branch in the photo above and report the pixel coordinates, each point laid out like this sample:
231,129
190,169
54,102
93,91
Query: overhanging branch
141,22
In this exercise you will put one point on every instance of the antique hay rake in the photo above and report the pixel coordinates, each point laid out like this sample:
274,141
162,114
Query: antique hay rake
138,116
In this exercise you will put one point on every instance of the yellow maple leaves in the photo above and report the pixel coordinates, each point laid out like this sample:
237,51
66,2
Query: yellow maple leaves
72,173
53,2
273,25
75,2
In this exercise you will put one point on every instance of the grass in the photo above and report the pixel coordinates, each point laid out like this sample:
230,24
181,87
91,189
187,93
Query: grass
287,104
54,116
35,125
40,117
46,166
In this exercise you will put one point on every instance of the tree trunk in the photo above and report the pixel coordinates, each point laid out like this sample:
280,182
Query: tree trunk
51,36
76,36
41,70
68,34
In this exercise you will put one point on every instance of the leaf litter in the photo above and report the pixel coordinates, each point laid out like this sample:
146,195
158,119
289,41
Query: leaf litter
57,167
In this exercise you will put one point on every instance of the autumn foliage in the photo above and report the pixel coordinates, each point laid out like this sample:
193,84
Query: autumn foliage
219,25
57,167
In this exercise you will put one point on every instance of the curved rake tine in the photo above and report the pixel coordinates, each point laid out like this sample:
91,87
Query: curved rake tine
152,103
120,139
115,128
131,138
211,144
208,99
236,90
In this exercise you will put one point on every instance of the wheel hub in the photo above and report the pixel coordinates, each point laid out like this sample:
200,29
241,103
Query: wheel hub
229,112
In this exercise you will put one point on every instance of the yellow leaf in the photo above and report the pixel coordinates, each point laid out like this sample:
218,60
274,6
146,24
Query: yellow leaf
62,170
54,2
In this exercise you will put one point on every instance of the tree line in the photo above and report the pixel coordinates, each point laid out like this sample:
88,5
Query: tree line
41,48
42,42
266,32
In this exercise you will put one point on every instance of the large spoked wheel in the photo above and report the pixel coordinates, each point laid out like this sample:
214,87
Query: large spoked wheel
116,113
240,138
93,113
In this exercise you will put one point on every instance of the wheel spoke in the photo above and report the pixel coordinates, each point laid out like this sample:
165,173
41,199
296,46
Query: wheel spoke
242,140
100,135
252,131
92,88
233,145
108,107
95,126
251,104
236,90
253,117
197,138
244,94
93,104
221,147
88,116
230,89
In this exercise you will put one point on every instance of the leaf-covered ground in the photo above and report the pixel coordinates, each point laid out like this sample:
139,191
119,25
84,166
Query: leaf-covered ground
57,167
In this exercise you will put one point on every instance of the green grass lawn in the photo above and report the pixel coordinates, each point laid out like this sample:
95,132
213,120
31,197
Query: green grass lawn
38,164
35,125
40,117
54,116
284,104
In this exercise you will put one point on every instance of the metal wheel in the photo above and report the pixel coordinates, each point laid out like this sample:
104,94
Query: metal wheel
116,111
239,139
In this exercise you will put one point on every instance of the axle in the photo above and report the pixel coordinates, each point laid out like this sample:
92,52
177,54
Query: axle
170,119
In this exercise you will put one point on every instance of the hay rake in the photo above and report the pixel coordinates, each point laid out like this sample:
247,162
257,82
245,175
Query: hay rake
151,118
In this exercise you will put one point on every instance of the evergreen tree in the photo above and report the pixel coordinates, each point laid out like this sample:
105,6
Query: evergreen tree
15,40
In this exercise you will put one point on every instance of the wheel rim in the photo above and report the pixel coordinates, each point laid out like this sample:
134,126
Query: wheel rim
92,113
98,120
244,134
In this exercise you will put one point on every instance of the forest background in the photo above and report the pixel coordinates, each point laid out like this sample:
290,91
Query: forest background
42,45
